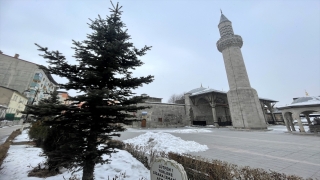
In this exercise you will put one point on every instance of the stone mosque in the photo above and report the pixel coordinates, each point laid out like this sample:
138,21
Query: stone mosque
240,107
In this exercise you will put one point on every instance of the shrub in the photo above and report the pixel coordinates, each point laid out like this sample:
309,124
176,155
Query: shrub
200,168
38,132
197,167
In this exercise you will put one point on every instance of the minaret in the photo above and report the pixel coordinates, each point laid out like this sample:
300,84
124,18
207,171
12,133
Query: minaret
244,104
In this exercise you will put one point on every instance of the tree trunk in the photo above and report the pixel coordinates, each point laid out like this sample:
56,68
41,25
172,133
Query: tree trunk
89,162
88,170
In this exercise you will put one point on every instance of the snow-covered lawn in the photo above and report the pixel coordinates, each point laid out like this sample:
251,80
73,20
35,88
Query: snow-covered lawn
23,158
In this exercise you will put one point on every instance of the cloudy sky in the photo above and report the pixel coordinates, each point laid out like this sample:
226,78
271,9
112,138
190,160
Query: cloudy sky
281,40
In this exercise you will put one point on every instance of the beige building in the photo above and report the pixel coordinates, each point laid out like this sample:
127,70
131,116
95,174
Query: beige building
3,110
14,101
22,75
63,96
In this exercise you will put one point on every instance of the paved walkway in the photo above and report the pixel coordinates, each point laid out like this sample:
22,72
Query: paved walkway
7,130
281,152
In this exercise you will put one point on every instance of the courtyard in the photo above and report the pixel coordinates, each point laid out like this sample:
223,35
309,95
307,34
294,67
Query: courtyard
276,150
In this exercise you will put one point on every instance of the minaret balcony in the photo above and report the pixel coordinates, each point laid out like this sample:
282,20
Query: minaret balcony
227,41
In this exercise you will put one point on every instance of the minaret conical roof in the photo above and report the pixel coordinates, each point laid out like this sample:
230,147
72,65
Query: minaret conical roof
223,18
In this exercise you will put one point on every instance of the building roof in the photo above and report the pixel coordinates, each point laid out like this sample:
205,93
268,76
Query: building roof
14,91
305,101
196,90
47,74
40,67
223,18
202,90
267,99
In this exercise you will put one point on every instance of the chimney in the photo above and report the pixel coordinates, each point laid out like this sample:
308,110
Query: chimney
16,56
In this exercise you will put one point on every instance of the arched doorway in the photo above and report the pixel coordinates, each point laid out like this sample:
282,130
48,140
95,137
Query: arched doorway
143,123
202,113
306,115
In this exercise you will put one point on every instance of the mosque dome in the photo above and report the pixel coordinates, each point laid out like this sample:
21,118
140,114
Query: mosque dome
196,90
309,100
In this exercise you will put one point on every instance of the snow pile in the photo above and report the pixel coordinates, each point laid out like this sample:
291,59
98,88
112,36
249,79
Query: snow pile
122,163
160,141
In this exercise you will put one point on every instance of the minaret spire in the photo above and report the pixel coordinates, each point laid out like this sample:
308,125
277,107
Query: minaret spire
221,11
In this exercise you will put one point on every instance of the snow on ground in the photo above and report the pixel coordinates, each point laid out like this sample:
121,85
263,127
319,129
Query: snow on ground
22,158
161,141
282,128
22,137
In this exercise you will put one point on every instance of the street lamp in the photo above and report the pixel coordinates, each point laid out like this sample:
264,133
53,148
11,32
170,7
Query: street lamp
33,100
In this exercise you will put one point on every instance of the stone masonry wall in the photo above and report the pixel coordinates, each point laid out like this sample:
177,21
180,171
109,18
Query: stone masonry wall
162,115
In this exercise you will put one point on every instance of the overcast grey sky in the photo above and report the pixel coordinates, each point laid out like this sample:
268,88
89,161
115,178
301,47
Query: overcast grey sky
281,40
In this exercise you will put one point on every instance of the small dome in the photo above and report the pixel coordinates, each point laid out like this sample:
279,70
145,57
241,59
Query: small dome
197,90
306,100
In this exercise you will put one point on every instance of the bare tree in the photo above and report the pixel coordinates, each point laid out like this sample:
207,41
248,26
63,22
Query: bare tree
174,97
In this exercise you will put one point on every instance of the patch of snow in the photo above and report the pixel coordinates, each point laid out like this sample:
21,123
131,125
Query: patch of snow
20,160
282,128
160,141
22,137
23,158
211,126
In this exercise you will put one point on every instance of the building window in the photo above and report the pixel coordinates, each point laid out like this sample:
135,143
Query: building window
159,119
14,97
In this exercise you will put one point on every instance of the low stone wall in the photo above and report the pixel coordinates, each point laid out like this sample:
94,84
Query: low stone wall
314,128
161,115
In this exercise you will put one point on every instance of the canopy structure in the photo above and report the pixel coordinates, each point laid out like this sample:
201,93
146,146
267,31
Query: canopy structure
302,105
210,106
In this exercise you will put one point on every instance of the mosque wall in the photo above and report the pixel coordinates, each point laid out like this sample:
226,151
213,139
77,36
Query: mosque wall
202,112
161,115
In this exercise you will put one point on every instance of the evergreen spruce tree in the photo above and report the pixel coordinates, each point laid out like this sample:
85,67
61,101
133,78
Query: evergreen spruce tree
44,106
48,137
43,111
104,76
